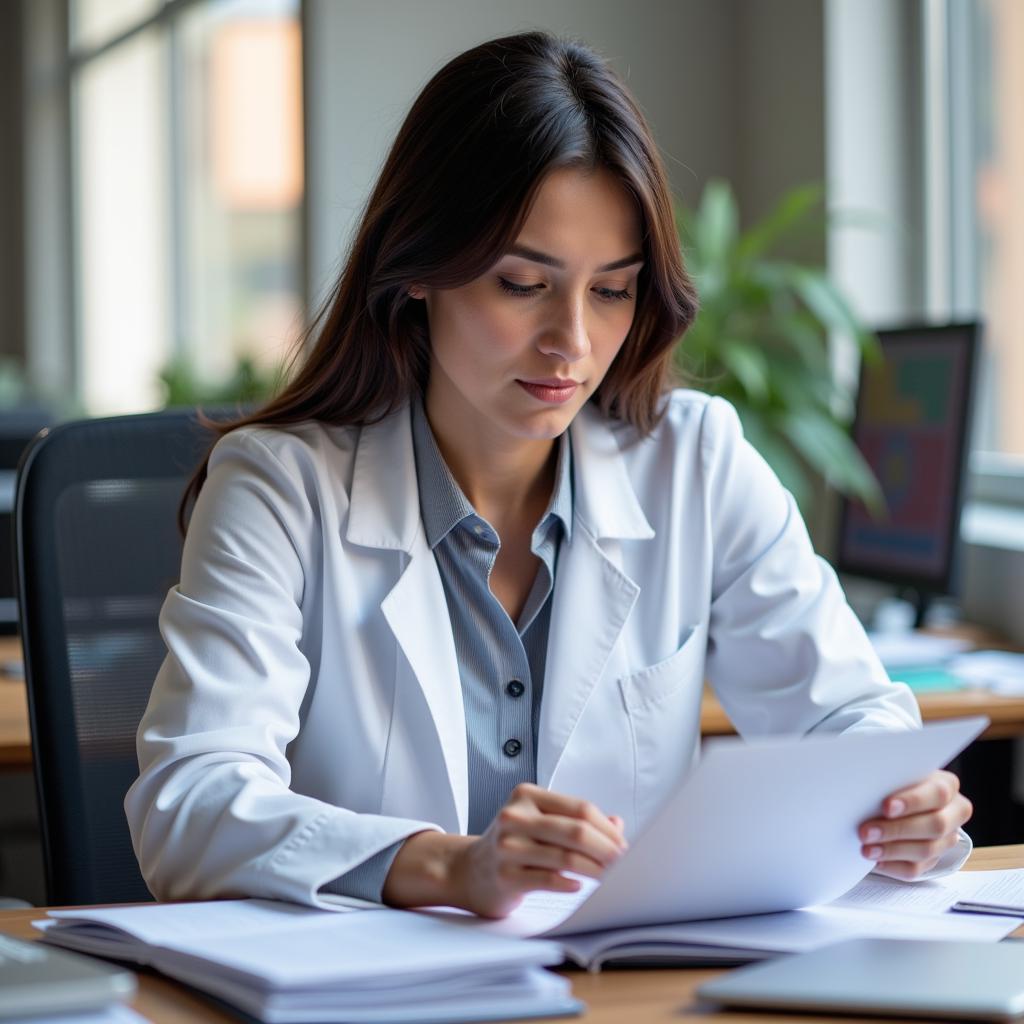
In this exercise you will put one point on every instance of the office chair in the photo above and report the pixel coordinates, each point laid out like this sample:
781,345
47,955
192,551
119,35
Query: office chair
97,549
17,429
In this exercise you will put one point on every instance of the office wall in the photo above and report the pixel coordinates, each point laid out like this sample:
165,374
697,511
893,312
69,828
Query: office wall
732,88
12,278
780,110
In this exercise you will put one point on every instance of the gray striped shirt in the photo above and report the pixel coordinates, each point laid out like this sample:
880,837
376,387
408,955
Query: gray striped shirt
501,663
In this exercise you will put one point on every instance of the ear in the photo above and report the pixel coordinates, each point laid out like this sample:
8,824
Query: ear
416,292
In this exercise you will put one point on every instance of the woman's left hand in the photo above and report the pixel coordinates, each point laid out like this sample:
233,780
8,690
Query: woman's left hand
917,826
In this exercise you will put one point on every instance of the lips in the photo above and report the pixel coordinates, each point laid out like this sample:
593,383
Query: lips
553,390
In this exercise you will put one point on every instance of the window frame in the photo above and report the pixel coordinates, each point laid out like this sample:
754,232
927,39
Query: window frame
951,252
54,354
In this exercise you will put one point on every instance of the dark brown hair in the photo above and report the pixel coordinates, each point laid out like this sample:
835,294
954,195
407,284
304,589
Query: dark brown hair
454,193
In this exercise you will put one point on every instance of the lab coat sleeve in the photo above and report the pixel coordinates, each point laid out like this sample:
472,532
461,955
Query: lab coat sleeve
211,814
786,653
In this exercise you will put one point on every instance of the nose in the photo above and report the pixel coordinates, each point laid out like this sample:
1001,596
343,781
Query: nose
566,336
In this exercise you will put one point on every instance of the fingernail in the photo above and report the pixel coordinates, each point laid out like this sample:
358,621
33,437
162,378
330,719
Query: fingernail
873,835
873,852
896,808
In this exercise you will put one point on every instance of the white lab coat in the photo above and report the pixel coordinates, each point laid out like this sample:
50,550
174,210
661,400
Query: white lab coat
309,711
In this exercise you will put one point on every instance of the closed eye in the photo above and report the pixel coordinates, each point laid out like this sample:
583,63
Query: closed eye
608,294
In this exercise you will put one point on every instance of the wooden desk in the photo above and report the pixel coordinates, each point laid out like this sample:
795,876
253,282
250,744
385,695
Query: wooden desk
637,996
15,747
1006,713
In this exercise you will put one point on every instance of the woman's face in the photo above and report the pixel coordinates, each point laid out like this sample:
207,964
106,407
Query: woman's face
517,351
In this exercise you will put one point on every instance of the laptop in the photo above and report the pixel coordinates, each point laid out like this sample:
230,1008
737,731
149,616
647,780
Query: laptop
893,977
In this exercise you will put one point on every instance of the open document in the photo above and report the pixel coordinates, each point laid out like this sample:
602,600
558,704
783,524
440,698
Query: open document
759,828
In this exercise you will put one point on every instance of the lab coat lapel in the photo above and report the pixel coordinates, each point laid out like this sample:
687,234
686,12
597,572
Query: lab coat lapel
593,596
385,513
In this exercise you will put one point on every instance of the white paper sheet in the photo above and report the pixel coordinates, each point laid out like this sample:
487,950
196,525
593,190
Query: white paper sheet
1002,672
764,826
800,930
913,649
882,894
1003,889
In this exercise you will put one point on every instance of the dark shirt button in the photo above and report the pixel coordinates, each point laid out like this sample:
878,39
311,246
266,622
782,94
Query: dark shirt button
515,688
512,747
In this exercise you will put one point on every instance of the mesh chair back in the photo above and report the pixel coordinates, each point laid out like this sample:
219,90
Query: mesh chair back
98,548
17,429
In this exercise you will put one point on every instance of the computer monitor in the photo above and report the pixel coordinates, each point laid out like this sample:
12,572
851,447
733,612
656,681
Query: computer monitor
911,425
17,428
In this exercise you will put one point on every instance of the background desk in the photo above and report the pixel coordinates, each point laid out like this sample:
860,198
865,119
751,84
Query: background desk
1006,713
15,749
642,997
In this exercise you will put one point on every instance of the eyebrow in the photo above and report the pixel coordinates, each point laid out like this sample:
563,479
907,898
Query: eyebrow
552,261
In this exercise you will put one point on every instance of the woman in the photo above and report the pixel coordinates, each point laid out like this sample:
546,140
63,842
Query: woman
447,603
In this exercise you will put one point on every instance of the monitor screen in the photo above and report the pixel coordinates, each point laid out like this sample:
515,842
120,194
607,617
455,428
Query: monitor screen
913,412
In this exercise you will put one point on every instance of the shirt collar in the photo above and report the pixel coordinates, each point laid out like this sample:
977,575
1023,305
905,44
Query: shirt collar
443,505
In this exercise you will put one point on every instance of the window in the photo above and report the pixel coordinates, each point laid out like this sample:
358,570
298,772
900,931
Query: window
978,265
188,189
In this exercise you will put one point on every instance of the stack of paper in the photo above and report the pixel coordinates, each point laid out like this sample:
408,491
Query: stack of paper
1002,672
112,1015
283,963
914,649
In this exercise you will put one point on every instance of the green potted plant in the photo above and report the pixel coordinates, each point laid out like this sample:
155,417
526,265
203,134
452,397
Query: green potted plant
247,385
761,339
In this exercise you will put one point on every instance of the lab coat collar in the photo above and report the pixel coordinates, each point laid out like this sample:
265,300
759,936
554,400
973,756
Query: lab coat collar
385,509
606,502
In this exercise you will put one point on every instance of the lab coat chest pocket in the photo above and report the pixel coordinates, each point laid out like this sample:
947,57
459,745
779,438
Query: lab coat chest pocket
663,704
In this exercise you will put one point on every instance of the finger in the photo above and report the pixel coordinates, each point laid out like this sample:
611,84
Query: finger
526,853
906,871
937,790
918,826
570,807
910,850
556,830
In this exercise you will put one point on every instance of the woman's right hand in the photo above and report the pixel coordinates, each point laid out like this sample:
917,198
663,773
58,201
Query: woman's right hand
535,837
532,840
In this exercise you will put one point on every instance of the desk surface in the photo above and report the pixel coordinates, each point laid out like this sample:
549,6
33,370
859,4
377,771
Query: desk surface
1006,713
15,748
639,996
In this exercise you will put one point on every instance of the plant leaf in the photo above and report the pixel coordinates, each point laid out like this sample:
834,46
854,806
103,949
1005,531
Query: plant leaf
790,212
749,366
828,448
715,231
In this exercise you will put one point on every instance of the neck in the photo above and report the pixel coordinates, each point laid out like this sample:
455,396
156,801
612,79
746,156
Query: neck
509,481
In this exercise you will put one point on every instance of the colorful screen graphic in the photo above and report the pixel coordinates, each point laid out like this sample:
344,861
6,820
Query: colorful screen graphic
910,418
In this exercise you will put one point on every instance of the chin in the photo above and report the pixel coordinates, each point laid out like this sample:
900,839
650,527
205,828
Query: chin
547,424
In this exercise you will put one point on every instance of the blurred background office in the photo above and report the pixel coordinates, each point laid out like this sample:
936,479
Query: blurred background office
180,180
